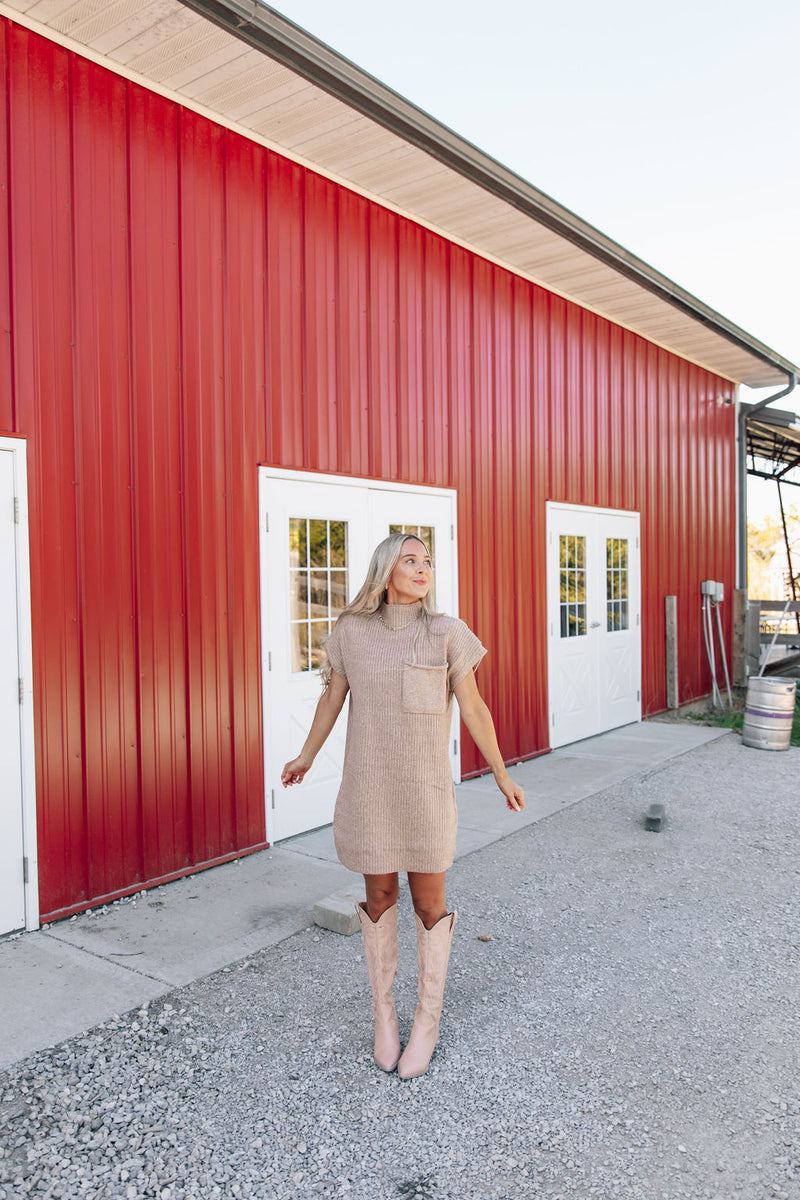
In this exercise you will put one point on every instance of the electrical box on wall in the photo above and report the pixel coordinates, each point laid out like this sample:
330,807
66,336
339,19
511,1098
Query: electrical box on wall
708,587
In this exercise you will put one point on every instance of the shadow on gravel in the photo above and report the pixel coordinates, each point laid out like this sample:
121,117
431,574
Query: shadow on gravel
423,1188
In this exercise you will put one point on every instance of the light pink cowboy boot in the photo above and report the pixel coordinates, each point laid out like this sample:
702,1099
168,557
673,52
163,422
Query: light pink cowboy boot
380,949
433,954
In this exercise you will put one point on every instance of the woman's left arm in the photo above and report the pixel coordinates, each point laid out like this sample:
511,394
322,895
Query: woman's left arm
478,721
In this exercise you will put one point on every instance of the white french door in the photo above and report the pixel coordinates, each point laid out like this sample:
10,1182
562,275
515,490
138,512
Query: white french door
593,621
317,535
18,901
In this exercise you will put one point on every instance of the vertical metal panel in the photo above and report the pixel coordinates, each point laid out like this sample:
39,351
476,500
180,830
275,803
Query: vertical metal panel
319,342
105,481
353,333
186,305
557,432
411,353
572,405
528,610
481,520
588,406
42,280
206,831
436,423
246,409
602,355
504,519
284,332
617,467
382,343
462,430
159,546
6,379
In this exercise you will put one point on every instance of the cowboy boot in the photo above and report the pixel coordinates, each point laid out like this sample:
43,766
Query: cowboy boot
380,950
433,953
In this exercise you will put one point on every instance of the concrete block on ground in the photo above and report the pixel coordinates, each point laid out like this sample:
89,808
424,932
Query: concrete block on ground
655,818
337,912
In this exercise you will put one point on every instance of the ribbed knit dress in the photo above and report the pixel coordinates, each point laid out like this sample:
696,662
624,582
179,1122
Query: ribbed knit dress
396,808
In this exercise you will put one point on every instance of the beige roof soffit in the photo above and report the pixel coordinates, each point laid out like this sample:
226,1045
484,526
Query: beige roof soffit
281,39
735,358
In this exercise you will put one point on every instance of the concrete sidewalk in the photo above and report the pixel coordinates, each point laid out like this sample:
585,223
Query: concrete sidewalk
70,976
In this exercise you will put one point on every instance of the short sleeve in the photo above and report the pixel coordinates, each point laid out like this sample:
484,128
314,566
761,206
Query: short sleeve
334,650
464,652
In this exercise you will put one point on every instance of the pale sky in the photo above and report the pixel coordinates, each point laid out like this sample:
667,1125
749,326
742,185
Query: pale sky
671,128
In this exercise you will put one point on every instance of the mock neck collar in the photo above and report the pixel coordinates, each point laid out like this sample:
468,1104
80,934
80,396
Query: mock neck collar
397,616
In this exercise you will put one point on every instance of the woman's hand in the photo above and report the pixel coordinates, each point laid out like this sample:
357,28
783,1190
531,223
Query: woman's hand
478,720
328,708
295,771
515,797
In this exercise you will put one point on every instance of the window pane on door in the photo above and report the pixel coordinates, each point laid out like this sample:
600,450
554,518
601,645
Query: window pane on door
423,532
318,585
616,584
572,579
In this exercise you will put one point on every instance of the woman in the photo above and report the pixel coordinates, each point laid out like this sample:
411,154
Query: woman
402,663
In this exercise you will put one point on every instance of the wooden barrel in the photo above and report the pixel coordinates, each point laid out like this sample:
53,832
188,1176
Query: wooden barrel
768,713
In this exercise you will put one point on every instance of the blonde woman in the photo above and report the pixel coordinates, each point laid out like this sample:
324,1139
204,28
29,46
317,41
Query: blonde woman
402,663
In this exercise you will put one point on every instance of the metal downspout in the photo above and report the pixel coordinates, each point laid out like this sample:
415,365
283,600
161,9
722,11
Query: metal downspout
742,530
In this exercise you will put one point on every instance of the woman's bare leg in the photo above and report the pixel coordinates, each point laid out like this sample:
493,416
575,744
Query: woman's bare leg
427,893
382,891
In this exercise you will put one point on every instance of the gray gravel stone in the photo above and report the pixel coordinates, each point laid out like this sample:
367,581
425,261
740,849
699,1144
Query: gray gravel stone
630,1030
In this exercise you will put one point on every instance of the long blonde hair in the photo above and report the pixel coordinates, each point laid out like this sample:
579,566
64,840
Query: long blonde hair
372,593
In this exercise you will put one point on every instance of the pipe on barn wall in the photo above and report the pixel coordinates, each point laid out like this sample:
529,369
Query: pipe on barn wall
742,530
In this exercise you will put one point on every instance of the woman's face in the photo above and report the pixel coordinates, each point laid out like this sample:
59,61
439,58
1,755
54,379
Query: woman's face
412,577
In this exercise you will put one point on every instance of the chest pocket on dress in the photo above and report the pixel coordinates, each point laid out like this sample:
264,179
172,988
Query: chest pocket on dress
424,688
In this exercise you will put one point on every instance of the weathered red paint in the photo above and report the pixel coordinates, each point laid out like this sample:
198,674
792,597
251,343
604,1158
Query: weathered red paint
184,305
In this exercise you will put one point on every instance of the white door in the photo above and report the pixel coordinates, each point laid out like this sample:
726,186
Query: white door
12,883
317,535
593,617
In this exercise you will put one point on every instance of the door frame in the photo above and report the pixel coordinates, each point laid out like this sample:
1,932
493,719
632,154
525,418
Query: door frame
18,448
552,506
267,473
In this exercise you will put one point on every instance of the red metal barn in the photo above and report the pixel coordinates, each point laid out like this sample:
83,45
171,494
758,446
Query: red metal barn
256,310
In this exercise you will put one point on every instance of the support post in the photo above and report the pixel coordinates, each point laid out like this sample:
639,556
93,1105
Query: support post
671,613
752,639
739,673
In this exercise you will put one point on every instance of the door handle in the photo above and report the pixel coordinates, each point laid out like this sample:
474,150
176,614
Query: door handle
595,624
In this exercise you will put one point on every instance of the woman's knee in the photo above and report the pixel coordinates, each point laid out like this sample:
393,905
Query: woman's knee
427,894
382,892
430,913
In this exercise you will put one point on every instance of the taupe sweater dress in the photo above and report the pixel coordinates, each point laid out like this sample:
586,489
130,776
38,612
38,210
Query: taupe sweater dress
396,808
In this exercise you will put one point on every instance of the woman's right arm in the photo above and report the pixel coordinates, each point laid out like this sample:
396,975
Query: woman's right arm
328,709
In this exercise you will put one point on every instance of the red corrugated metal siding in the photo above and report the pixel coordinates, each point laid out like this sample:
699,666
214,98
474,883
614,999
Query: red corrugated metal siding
7,420
102,423
185,305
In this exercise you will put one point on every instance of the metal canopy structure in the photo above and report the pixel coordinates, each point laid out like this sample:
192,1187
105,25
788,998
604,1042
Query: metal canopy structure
773,445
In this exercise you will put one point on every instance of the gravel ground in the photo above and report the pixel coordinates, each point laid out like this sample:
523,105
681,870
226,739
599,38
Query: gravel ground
630,1030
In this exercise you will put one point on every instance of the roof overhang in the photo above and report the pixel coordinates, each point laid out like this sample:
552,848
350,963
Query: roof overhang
251,69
